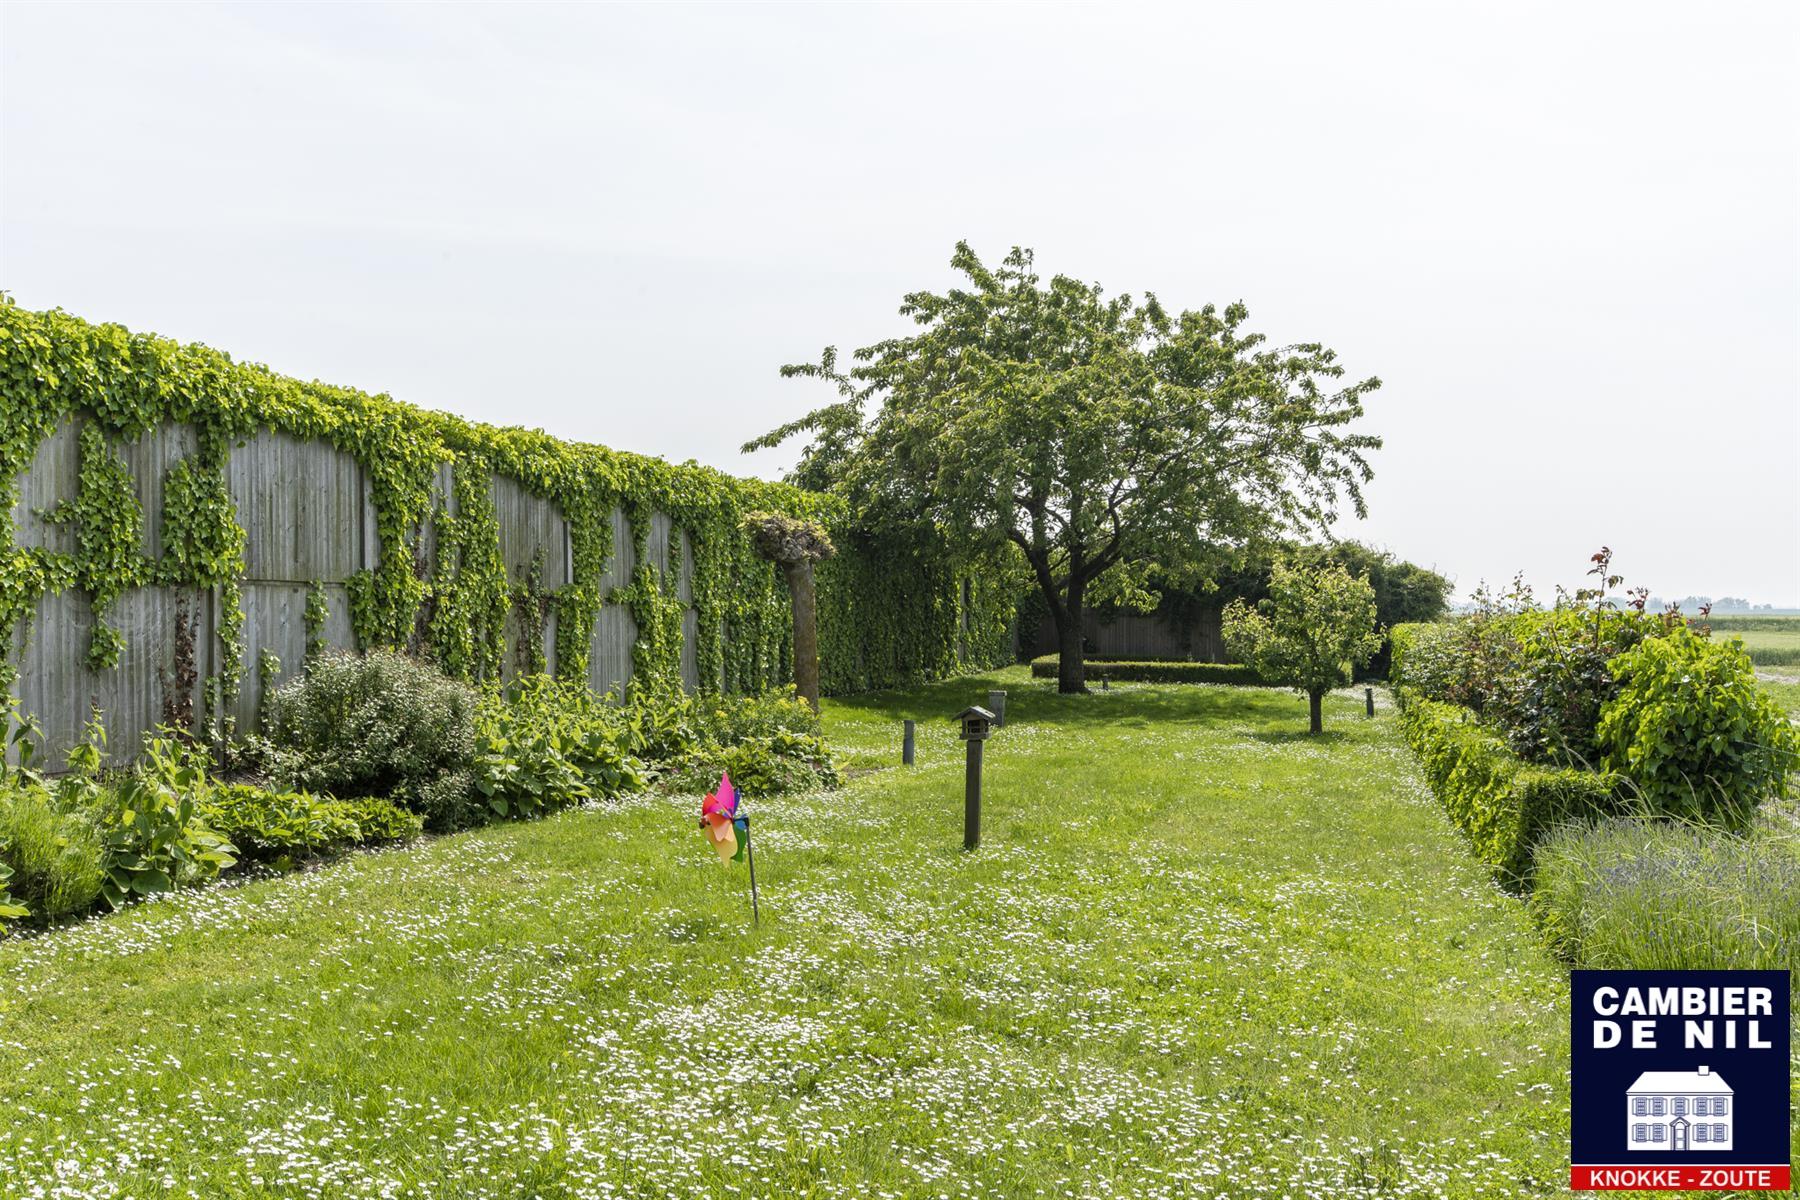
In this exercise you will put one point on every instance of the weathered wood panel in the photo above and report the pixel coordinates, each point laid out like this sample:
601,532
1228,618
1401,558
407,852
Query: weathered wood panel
529,523
52,478
609,656
443,495
661,534
685,579
275,620
624,556
304,507
59,689
307,516
149,460
690,643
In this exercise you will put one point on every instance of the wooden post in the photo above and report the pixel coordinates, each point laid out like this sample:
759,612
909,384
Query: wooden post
907,742
1369,698
972,796
997,705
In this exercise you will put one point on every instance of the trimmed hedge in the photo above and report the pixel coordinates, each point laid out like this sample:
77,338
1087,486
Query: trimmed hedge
1156,671
1504,804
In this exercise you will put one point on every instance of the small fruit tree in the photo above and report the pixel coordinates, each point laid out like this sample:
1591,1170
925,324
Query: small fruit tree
1316,627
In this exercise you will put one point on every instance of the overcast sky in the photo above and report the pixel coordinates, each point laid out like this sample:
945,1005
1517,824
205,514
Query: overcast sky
1564,235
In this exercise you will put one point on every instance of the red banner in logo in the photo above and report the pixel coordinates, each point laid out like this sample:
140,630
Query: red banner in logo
1681,1178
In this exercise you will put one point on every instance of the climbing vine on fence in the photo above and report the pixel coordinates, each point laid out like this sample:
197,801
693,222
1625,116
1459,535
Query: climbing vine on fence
889,612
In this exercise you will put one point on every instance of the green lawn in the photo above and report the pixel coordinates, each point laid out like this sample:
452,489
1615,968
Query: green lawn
1198,953
1783,683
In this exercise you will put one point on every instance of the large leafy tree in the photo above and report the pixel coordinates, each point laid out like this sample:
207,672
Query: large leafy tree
1314,630
1109,440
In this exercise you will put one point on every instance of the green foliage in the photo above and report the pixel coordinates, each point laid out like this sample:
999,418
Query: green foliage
1504,804
380,724
1539,677
283,827
1661,895
275,827
1096,434
316,613
55,367
153,835
377,821
108,532
1692,730
9,909
51,849
1156,671
1316,627
202,542
525,760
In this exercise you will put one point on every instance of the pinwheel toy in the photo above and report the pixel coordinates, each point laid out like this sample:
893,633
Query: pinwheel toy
729,832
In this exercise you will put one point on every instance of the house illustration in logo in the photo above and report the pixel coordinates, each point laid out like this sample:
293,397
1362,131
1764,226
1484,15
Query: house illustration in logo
1678,1110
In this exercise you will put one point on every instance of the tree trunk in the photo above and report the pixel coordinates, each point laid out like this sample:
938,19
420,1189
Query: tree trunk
1071,660
806,630
1315,701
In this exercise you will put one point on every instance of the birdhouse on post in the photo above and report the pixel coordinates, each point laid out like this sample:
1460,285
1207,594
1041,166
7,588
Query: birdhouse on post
977,723
977,727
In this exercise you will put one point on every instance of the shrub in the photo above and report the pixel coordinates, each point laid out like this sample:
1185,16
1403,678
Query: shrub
545,744
1694,732
275,826
1156,671
9,911
377,821
760,766
1424,661
52,851
379,724
1503,804
154,839
1548,697
1660,895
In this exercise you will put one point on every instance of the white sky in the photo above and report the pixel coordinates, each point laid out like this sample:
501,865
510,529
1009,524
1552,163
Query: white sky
1564,235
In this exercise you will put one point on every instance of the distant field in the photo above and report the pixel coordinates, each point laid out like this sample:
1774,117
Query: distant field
1755,624
1771,641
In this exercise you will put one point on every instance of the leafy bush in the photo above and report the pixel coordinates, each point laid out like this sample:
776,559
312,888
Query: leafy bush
1547,699
545,744
1426,661
154,839
1503,804
1660,895
379,724
274,826
377,821
1694,732
278,827
9,911
760,766
51,849
1156,671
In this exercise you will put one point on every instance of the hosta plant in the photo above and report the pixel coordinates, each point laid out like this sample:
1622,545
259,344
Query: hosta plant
155,840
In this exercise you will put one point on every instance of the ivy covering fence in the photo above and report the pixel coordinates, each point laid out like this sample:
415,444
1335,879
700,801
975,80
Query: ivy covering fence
211,512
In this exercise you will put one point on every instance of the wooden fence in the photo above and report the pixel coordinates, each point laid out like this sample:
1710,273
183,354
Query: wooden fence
306,512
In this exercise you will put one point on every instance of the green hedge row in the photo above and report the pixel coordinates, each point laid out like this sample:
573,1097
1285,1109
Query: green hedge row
1504,804
1155,671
